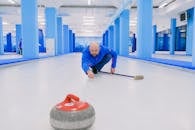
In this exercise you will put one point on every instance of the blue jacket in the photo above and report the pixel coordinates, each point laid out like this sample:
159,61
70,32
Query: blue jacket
88,60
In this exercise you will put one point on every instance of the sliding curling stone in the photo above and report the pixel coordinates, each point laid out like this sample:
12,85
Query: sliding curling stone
72,114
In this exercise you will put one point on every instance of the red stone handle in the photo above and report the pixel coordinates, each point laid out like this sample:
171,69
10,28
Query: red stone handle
71,98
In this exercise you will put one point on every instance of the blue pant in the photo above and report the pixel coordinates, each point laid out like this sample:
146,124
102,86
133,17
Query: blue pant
101,64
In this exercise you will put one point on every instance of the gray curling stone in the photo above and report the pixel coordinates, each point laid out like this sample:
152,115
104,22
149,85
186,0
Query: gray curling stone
72,114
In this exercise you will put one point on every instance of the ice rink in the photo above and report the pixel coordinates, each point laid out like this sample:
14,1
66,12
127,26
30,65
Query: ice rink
163,100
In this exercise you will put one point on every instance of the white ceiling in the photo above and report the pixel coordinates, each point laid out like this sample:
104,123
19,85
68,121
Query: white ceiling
103,11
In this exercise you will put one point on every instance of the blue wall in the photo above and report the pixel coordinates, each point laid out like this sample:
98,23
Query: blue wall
163,39
180,38
189,32
82,42
9,43
162,43
42,47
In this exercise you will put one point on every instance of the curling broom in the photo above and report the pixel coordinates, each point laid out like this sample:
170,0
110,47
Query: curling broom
135,77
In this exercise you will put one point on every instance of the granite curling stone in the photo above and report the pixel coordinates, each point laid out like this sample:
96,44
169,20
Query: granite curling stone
72,114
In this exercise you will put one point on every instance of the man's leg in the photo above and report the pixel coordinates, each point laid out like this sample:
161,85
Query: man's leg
101,64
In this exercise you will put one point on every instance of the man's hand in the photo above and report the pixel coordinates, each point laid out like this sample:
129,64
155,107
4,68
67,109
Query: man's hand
90,74
112,71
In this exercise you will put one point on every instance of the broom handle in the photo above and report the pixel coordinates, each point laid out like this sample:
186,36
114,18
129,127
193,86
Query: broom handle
118,74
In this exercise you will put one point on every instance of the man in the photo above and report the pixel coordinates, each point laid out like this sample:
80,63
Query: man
95,56
20,47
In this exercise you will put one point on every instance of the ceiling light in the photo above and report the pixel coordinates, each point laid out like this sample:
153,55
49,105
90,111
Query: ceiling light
89,2
163,5
133,21
88,23
41,23
40,16
5,23
88,20
12,1
88,17
41,20
88,31
132,24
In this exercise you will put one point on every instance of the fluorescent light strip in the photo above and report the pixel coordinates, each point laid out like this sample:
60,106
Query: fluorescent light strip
88,20
132,24
40,16
5,23
88,31
89,2
41,20
133,21
41,23
12,1
88,17
163,5
166,3
88,23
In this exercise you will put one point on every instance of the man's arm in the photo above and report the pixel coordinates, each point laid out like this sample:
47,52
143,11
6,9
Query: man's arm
85,67
114,58
85,63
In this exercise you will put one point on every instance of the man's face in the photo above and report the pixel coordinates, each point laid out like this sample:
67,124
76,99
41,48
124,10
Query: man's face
94,50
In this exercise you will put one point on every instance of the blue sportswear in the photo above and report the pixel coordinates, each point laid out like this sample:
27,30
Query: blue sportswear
88,60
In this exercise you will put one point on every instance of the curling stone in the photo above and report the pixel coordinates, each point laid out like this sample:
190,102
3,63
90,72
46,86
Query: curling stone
72,114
